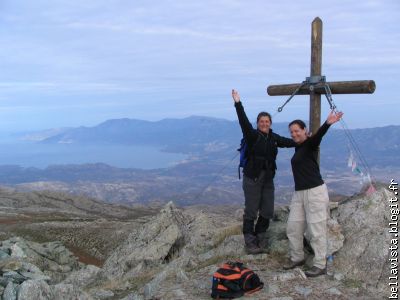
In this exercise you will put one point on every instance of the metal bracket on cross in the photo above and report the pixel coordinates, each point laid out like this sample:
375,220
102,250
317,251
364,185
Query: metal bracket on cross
312,81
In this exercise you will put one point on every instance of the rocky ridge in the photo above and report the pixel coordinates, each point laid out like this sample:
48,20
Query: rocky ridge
174,254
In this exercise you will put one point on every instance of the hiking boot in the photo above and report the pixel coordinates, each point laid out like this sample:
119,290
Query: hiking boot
293,264
250,241
253,249
262,240
315,271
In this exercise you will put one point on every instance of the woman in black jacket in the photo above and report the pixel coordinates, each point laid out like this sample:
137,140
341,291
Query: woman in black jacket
259,172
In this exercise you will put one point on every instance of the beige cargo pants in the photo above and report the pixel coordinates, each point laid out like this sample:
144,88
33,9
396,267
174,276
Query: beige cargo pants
309,210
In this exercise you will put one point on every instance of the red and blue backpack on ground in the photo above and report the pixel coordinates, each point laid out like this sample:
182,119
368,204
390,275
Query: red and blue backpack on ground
233,280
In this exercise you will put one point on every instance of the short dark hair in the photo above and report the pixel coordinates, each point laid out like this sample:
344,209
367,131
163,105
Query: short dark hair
301,124
264,114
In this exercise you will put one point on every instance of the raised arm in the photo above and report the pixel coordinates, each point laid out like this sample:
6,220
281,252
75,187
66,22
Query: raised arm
244,122
333,117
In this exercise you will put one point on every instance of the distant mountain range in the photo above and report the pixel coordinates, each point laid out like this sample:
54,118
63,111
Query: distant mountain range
179,135
204,134
209,173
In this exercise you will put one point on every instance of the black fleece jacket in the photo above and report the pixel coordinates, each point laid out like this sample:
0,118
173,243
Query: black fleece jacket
305,165
263,147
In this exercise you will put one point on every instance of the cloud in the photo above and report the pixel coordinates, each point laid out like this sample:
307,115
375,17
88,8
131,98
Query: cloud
170,53
178,31
63,87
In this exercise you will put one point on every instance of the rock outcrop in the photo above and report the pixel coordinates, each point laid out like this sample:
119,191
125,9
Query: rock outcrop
365,225
158,241
174,254
30,270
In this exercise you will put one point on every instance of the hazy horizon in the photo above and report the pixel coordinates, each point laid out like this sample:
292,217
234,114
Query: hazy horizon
11,132
70,63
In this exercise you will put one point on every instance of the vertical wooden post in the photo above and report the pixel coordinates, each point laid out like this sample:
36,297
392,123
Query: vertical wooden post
316,69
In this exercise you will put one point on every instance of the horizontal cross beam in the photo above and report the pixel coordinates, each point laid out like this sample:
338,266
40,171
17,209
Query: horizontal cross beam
337,87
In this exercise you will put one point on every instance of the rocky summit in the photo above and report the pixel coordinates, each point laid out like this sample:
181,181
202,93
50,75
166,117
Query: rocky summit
173,254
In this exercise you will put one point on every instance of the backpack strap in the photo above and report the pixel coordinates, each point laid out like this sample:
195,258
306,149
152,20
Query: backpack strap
259,136
252,149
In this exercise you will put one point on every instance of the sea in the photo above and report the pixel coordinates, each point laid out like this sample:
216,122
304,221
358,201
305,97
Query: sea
39,155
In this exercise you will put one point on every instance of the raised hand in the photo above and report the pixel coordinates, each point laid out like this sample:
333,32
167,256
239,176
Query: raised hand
235,96
334,117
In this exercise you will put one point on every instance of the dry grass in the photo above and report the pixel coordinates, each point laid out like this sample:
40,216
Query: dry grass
139,281
215,260
352,283
111,285
126,285
226,232
30,234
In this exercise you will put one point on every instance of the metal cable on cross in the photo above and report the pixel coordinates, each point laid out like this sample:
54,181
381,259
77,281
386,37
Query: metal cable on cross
311,81
280,108
346,130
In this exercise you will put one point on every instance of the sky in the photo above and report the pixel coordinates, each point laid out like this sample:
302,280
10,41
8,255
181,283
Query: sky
67,63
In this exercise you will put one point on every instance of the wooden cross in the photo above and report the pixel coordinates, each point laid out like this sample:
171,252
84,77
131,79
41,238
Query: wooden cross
337,87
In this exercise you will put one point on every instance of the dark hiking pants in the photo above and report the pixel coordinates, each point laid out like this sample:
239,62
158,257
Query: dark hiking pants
259,201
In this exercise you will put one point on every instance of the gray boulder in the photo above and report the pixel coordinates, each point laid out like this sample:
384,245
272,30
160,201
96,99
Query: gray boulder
83,277
68,292
34,289
16,251
10,292
3,254
54,251
365,225
156,242
102,294
52,256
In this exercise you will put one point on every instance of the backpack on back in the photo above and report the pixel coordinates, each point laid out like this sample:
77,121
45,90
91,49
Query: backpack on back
244,153
233,280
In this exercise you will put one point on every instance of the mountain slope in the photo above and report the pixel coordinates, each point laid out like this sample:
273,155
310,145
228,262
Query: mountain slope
205,134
